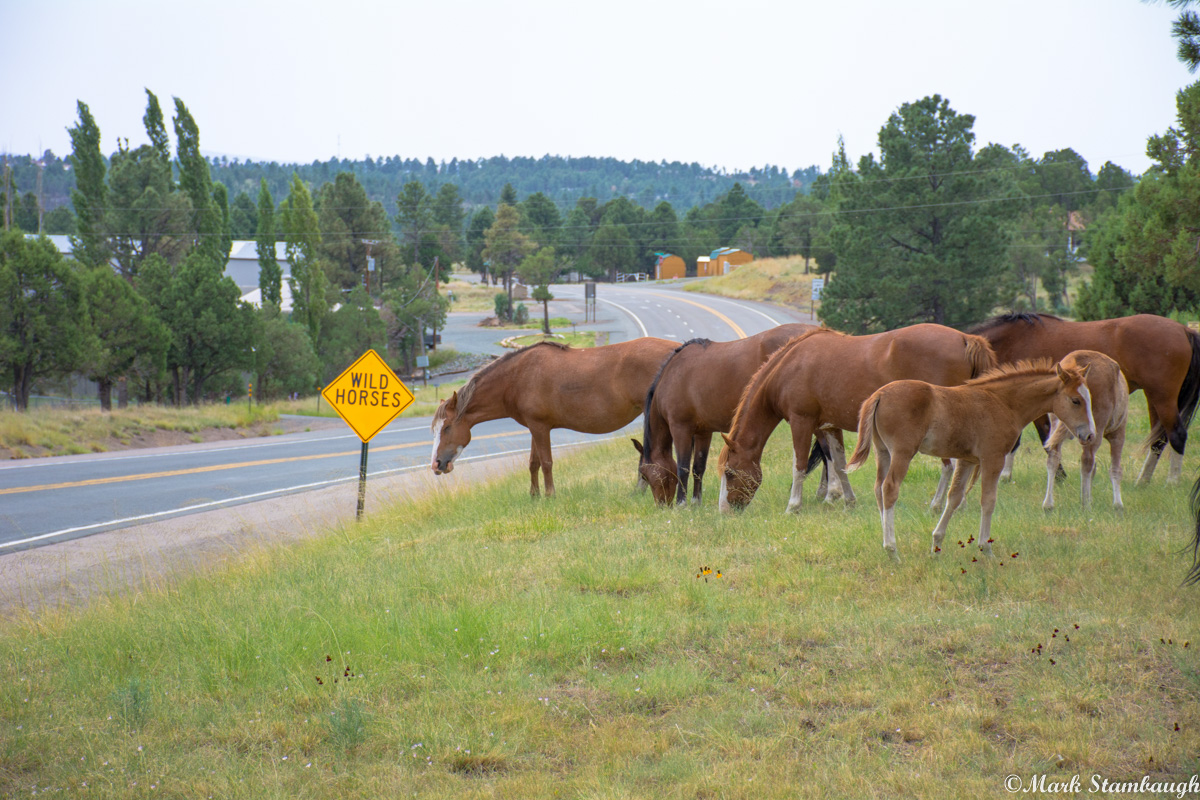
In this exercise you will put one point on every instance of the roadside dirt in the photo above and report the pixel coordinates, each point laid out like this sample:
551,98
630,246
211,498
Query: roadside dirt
163,438
151,558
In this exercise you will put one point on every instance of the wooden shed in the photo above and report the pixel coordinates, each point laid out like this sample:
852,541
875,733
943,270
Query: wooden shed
704,267
668,266
727,259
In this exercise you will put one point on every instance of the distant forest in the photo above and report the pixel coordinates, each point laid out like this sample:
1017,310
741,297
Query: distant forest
564,180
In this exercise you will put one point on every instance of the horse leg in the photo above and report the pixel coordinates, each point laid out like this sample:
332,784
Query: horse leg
1087,470
1009,458
1053,460
1176,470
541,445
1116,443
699,463
1156,448
837,447
888,494
823,487
958,488
684,439
535,466
802,436
943,484
989,483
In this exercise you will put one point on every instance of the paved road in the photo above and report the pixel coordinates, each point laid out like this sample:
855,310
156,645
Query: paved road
54,499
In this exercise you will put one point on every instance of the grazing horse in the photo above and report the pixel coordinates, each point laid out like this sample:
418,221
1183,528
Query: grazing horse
1158,355
975,423
693,396
1110,407
820,379
546,386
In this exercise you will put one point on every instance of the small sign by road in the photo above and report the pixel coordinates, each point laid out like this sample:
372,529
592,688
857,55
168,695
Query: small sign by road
368,395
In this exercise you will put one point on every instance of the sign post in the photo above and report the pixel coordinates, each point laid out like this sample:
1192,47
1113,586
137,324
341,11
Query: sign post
817,285
368,396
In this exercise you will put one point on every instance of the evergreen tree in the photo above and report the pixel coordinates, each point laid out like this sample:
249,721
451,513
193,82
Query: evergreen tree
126,329
243,217
481,220
308,283
156,128
448,219
43,317
505,247
90,195
196,183
269,274
539,270
353,229
913,243
349,332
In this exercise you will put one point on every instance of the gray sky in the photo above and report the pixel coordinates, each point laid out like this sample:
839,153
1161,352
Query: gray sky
733,84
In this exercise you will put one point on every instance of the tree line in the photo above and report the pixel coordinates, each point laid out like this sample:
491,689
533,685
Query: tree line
931,229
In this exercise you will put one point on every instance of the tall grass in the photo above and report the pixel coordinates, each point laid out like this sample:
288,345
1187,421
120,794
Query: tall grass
479,644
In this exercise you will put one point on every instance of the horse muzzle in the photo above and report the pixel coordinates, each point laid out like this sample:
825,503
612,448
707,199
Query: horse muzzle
441,467
1085,434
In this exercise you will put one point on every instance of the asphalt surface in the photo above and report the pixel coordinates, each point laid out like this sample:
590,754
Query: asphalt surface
51,500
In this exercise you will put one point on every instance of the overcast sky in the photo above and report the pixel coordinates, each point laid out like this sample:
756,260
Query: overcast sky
733,84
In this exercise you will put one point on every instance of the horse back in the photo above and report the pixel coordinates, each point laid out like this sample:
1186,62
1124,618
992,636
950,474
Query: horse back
929,352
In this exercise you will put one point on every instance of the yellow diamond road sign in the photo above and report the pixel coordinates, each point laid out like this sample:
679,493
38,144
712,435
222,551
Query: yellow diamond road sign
368,395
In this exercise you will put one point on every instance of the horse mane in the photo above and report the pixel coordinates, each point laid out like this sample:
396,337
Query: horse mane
768,368
1016,369
1029,318
467,392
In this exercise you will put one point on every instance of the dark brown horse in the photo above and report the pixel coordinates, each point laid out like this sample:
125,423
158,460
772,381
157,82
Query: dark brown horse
975,424
546,386
694,396
821,379
1158,355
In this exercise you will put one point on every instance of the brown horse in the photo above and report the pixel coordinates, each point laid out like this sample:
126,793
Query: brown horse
1158,355
693,396
546,386
821,379
975,423
1110,407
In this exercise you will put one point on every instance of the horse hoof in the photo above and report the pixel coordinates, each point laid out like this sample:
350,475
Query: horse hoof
1047,508
792,509
893,555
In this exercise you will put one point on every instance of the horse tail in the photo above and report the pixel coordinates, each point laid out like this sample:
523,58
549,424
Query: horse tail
980,354
1193,575
818,456
1189,395
866,432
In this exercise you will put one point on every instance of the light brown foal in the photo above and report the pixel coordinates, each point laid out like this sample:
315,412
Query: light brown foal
975,423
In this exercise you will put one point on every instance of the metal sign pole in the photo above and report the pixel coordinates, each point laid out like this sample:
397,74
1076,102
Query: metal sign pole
362,482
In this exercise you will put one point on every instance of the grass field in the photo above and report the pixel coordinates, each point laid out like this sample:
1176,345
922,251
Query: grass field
480,644
775,280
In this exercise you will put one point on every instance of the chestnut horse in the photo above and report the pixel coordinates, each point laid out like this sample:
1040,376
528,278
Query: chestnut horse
693,396
1158,355
821,379
1110,407
975,423
546,386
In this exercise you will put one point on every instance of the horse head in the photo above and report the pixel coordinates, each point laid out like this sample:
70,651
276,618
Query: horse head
741,475
450,435
662,480
1073,402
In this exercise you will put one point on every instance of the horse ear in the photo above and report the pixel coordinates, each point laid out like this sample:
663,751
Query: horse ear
728,442
1062,374
1084,372
452,402
637,446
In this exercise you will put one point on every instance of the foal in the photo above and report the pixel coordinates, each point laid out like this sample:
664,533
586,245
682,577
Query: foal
975,423
1110,407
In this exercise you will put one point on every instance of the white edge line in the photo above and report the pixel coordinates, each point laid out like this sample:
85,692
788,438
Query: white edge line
630,313
268,493
42,462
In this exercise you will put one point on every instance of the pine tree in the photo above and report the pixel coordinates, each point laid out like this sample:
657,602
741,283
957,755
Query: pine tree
269,274
90,195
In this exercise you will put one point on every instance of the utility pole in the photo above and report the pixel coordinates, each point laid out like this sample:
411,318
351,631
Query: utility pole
41,165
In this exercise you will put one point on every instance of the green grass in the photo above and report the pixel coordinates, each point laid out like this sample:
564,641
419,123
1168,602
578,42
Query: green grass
481,644
58,431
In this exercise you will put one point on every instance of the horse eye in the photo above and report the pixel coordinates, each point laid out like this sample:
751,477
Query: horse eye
1074,401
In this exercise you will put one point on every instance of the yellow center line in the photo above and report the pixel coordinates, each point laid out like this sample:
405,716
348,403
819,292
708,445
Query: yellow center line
217,467
741,334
